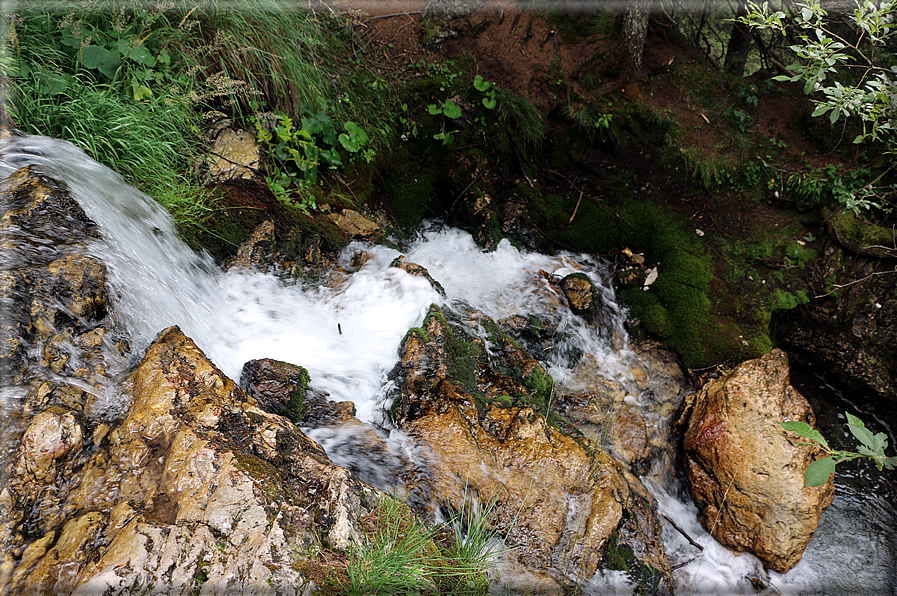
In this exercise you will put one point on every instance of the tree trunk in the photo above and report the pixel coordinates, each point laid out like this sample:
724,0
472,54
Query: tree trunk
635,28
739,44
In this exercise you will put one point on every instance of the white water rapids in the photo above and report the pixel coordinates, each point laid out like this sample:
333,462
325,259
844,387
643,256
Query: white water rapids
347,333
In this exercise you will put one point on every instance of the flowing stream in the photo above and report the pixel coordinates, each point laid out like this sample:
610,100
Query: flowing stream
347,331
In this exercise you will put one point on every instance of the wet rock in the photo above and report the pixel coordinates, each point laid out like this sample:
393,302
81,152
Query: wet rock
197,490
558,500
278,387
55,344
355,224
414,269
581,294
609,422
747,473
52,292
255,251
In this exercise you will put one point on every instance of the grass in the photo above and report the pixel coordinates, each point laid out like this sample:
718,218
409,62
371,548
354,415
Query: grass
518,113
401,555
130,85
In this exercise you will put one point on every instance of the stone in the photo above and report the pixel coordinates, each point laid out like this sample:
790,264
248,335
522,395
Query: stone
278,387
746,472
581,294
234,154
196,490
355,224
436,18
452,398
255,251
418,270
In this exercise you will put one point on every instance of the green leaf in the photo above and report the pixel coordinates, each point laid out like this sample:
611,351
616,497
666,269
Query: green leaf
481,84
859,139
447,138
434,109
819,471
354,137
820,109
24,69
451,110
804,430
331,158
139,92
138,54
865,451
99,58
859,430
489,102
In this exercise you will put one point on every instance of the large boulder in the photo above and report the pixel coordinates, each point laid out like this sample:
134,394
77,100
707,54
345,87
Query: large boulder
478,417
746,472
196,491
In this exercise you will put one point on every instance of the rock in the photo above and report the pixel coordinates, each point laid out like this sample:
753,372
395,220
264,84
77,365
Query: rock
747,473
606,420
255,252
436,18
355,224
54,343
278,387
480,443
197,490
849,335
234,154
581,294
282,388
414,269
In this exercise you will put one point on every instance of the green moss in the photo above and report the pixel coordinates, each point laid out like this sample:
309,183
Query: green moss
656,320
462,352
297,396
621,557
618,557
857,234
540,385
676,309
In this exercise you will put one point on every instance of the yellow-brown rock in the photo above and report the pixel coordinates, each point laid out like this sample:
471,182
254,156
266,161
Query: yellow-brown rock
355,224
197,490
558,501
746,471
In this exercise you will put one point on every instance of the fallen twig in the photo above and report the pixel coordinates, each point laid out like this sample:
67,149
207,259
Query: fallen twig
856,281
681,531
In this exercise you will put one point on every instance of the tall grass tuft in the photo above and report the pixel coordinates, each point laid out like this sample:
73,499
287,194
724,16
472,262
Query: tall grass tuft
403,556
279,49
520,114
393,560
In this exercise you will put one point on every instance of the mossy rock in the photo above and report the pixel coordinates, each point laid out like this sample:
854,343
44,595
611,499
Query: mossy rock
862,237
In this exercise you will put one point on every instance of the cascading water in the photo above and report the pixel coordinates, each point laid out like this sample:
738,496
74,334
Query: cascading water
346,332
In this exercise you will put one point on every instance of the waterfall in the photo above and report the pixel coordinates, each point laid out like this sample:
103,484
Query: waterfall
347,330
